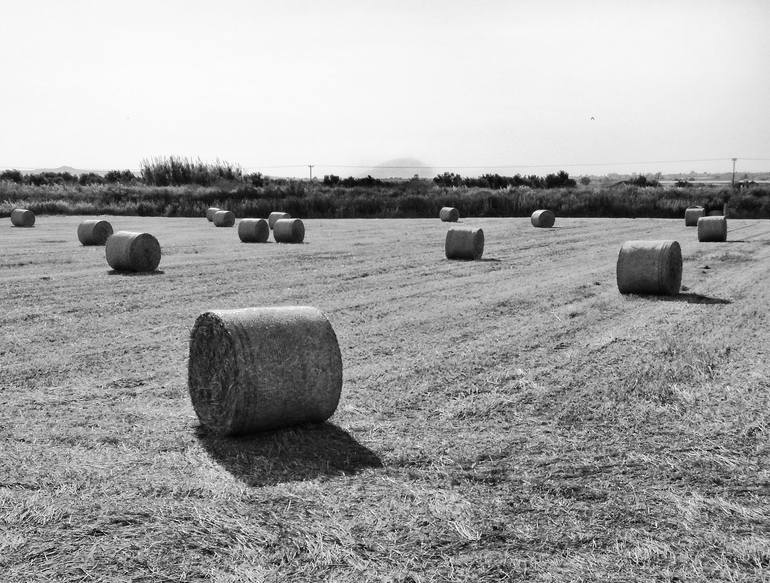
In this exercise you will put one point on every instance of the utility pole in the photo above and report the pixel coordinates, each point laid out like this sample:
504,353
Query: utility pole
311,171
734,159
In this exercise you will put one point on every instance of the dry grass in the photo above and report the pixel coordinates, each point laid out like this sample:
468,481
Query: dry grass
550,430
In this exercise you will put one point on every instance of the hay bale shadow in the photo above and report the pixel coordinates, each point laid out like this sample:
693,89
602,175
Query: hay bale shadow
690,298
287,455
135,273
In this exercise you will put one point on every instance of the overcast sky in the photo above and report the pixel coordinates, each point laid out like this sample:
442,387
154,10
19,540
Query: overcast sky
508,85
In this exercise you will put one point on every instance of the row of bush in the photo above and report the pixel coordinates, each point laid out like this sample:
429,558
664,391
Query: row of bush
69,179
407,199
175,171
497,182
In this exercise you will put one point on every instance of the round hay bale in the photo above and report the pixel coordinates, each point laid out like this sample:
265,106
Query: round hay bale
210,212
253,230
692,214
263,368
649,267
712,229
22,218
276,216
543,218
94,232
464,244
449,214
288,231
224,219
128,251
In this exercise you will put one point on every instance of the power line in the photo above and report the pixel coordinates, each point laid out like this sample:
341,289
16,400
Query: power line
569,165
458,166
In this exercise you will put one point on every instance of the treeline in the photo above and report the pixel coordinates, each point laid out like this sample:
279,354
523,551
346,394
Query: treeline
497,182
159,171
181,171
68,179
408,199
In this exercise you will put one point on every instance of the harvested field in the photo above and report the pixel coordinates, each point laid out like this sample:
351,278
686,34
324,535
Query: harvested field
513,418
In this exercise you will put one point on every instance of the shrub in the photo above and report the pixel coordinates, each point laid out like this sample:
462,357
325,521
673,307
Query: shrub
178,171
90,178
122,176
12,175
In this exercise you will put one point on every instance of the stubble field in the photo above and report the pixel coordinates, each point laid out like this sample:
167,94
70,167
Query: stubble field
514,418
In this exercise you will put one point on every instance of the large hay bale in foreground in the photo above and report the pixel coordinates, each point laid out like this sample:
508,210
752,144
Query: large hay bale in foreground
253,230
712,229
262,368
449,214
210,212
543,218
288,231
224,219
22,218
276,216
649,267
692,214
464,244
129,251
94,232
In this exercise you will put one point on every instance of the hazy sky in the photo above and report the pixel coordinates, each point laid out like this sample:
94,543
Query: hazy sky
507,85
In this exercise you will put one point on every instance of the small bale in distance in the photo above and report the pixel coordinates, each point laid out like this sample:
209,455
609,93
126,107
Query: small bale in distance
94,232
224,219
543,218
712,229
22,218
692,214
253,230
289,231
649,267
276,216
130,251
449,214
464,244
256,369
210,212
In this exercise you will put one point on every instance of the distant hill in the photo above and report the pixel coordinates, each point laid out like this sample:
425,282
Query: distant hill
62,169
400,168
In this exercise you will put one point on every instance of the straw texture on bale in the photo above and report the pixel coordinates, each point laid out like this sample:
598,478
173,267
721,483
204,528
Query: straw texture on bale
253,230
94,232
692,214
449,214
464,244
712,229
255,369
288,231
129,251
649,267
276,216
224,219
211,211
22,218
543,218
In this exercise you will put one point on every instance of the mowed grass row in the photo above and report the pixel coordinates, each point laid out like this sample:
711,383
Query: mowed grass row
511,418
